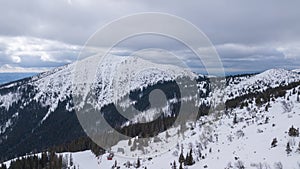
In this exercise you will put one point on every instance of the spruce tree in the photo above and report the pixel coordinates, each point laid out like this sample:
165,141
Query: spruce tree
180,166
267,120
138,163
191,159
116,163
174,165
267,107
181,158
274,143
235,119
293,132
71,160
129,142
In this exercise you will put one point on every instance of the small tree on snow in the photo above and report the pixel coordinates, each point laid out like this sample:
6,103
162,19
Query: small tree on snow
235,121
191,157
189,160
180,166
71,160
267,107
116,163
174,165
288,148
181,158
293,132
240,165
274,143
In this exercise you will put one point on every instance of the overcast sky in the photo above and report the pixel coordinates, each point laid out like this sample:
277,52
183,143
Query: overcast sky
250,36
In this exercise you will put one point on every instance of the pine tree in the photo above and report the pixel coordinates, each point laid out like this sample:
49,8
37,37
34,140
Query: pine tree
181,158
235,119
242,105
267,107
180,166
71,160
267,120
293,132
294,91
191,159
116,163
274,143
138,163
288,148
174,165
240,165
129,142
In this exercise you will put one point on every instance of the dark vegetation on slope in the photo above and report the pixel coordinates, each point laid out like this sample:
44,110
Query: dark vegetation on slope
260,97
61,131
46,161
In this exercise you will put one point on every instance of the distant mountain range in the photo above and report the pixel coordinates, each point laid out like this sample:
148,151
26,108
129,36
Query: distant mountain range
10,77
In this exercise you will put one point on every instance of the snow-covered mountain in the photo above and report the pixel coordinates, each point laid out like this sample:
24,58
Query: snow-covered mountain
41,108
56,85
30,106
272,78
242,138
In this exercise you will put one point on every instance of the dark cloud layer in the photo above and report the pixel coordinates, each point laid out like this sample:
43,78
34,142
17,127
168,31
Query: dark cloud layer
249,35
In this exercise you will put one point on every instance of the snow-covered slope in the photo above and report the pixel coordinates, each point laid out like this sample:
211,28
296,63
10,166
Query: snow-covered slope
260,82
222,143
27,105
296,71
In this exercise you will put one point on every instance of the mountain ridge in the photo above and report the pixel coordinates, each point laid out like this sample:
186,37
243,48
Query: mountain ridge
35,103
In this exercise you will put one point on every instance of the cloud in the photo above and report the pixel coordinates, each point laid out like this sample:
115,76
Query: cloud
249,36
15,69
224,22
290,51
34,53
16,59
255,58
